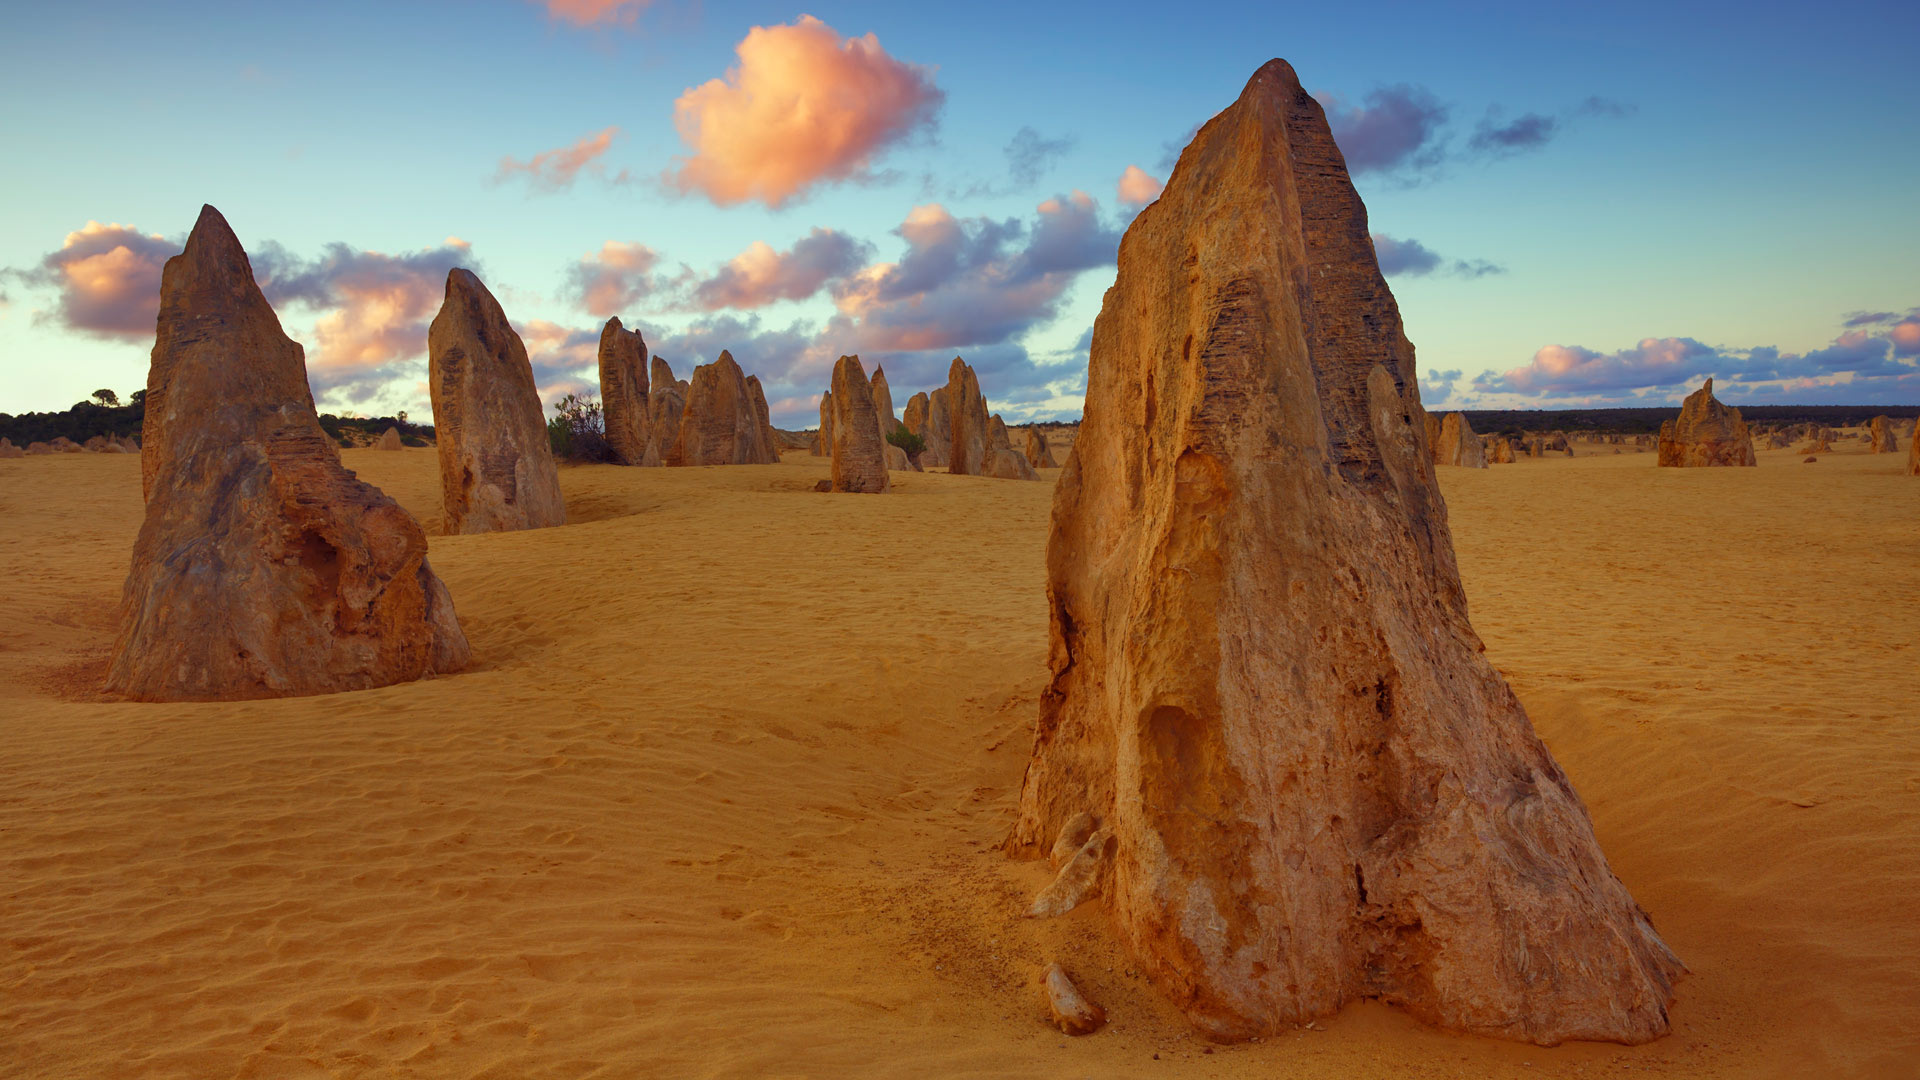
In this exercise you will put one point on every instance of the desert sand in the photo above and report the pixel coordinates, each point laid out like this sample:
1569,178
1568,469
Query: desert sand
722,792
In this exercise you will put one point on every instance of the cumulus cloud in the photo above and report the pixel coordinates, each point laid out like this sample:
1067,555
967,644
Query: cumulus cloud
614,278
760,275
1137,187
1396,128
594,12
564,361
108,280
372,309
1411,258
557,169
1857,366
803,106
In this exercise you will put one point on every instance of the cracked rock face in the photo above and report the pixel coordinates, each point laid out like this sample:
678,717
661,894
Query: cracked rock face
496,464
969,434
1458,444
859,456
721,424
264,568
623,392
1263,679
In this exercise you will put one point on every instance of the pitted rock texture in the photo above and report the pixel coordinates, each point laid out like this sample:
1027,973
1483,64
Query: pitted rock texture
666,403
859,455
720,425
758,395
1038,454
1706,433
1459,445
1880,436
1263,677
623,392
496,465
263,567
823,439
970,440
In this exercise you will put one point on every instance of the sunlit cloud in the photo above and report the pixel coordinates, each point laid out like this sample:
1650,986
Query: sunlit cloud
1137,187
760,275
107,277
595,12
611,280
802,106
557,169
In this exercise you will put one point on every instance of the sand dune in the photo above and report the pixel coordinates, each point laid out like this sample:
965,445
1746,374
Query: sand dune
721,793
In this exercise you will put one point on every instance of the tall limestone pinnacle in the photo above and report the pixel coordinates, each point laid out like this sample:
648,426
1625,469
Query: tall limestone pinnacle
496,464
623,392
263,568
1312,786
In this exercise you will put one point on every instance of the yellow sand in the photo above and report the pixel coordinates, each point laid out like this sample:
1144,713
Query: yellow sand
721,793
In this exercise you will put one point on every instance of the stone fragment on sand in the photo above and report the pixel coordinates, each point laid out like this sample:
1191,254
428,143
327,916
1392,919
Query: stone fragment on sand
1263,677
859,456
1069,1009
1039,455
497,472
1810,460
389,440
263,567
1706,433
720,425
1459,445
1078,880
1073,834
624,404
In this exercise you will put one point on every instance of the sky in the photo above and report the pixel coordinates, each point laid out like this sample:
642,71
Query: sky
1575,205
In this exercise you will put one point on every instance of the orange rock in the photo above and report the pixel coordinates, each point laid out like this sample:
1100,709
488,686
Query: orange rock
1913,450
623,392
1500,452
1263,677
928,417
1069,1009
1038,455
883,402
758,395
389,440
969,442
666,403
1880,436
1459,445
496,464
1706,433
859,457
720,425
263,567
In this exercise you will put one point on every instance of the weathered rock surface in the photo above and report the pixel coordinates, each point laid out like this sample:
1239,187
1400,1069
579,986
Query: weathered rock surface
263,568
1880,436
624,404
883,402
1264,681
758,395
897,459
1499,451
1706,433
666,404
970,441
389,440
64,445
1005,464
997,436
823,441
927,417
1069,1009
859,456
1078,879
1459,445
496,464
721,425
1038,454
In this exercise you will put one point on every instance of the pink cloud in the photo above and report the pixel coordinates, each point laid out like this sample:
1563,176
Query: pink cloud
557,169
802,106
108,279
760,275
595,12
1136,188
616,277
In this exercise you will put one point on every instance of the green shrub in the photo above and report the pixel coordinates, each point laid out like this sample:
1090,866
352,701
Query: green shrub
914,445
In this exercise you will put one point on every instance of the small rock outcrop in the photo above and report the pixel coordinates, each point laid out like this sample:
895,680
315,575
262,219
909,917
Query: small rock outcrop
1500,451
823,439
720,425
859,457
1038,454
263,567
1880,436
38,447
1706,433
496,464
666,404
758,395
389,440
1263,679
1458,444
1006,464
8,450
1067,1007
624,406
970,437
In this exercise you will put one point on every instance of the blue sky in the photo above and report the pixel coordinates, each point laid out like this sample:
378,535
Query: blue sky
1574,206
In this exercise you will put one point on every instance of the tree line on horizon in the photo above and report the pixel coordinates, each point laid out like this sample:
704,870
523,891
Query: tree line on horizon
104,413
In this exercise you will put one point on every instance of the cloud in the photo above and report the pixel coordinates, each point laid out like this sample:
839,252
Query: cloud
594,12
1029,155
557,169
564,361
1858,366
1436,387
1137,188
1528,131
614,278
1171,150
108,278
803,106
1397,128
760,275
1411,258
372,309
